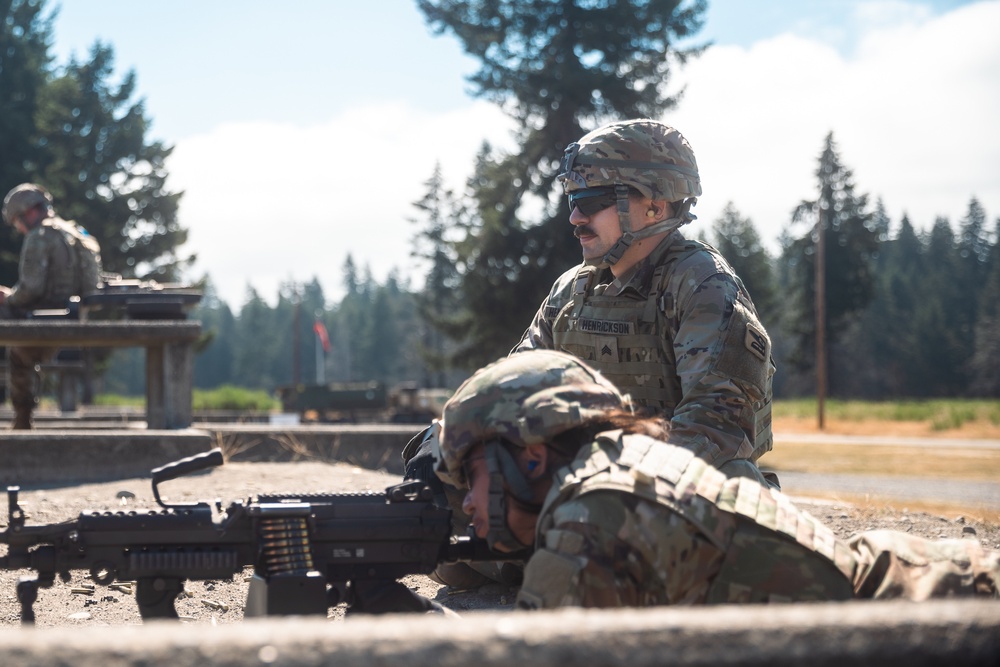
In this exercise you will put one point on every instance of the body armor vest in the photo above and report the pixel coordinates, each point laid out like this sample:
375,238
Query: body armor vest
629,339
746,521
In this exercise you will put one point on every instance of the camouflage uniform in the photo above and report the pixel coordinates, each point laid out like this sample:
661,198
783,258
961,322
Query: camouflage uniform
633,521
47,278
609,535
678,331
688,345
46,272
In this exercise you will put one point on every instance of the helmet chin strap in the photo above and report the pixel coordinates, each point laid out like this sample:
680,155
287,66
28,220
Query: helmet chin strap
682,217
505,477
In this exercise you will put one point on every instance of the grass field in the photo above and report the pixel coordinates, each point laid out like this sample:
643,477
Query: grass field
962,418
952,419
981,465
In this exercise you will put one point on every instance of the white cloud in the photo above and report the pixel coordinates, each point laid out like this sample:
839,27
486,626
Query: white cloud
888,14
268,203
913,113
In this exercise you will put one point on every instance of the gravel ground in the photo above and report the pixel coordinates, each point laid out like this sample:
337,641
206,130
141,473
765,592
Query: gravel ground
218,602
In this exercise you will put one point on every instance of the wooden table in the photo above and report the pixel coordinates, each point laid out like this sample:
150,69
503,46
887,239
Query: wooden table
169,348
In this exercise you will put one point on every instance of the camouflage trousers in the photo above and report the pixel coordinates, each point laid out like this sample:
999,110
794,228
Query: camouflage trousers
898,565
23,378
689,570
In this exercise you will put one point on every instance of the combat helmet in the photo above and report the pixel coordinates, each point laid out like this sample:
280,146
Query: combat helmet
23,198
647,155
523,399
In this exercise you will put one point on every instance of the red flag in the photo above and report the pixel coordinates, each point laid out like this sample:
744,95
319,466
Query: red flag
324,337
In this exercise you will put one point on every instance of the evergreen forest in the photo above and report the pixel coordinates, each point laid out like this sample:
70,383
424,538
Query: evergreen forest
912,308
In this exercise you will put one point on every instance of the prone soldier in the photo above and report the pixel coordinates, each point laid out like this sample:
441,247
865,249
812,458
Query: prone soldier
553,457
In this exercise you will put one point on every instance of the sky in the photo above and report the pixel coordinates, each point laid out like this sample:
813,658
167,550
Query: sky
304,131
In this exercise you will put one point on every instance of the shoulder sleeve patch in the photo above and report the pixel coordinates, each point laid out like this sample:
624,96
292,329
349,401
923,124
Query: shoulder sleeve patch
756,341
746,350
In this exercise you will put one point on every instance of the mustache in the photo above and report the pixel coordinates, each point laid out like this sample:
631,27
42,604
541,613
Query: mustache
583,229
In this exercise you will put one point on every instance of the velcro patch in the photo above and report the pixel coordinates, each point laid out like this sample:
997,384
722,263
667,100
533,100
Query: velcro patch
756,341
607,349
612,327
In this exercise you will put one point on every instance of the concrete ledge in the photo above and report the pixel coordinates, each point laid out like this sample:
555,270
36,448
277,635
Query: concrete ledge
38,458
945,632
83,455
371,446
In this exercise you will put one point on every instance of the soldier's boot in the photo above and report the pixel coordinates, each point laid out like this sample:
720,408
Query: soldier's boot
458,575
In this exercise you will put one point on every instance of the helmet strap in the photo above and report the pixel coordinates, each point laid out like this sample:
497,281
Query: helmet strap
625,223
505,477
682,217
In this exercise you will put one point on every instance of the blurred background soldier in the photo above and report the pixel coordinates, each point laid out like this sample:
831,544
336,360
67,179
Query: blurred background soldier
553,458
58,260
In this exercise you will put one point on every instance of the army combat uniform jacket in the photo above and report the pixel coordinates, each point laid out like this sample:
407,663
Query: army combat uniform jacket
48,275
47,271
679,334
633,521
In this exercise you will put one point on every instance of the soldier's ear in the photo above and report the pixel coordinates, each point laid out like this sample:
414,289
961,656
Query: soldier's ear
534,459
660,209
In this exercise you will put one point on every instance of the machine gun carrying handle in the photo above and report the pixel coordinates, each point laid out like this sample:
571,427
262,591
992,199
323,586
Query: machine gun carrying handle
186,466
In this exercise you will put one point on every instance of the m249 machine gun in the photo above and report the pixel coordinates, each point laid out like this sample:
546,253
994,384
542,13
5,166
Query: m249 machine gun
308,552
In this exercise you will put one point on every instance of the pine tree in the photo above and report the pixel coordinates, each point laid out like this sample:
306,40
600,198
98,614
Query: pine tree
214,363
941,355
738,241
101,171
438,303
851,243
972,247
253,344
883,353
555,66
25,35
984,366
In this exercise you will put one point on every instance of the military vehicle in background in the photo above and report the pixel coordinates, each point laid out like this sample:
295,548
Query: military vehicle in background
363,402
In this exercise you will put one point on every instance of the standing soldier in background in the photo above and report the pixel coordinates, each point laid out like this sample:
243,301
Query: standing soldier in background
554,459
58,260
664,318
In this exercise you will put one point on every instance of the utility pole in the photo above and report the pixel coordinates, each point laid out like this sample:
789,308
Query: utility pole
820,311
296,335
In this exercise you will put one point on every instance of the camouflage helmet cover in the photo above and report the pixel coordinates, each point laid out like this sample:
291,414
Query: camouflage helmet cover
525,399
648,155
23,198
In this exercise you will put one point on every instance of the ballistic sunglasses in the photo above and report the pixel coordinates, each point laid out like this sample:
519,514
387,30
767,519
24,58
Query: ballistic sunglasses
591,200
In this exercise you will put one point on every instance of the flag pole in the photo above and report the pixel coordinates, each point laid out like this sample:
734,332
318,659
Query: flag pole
320,366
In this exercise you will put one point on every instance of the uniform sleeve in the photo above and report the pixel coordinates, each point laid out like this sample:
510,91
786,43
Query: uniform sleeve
612,549
538,335
582,563
32,270
723,358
